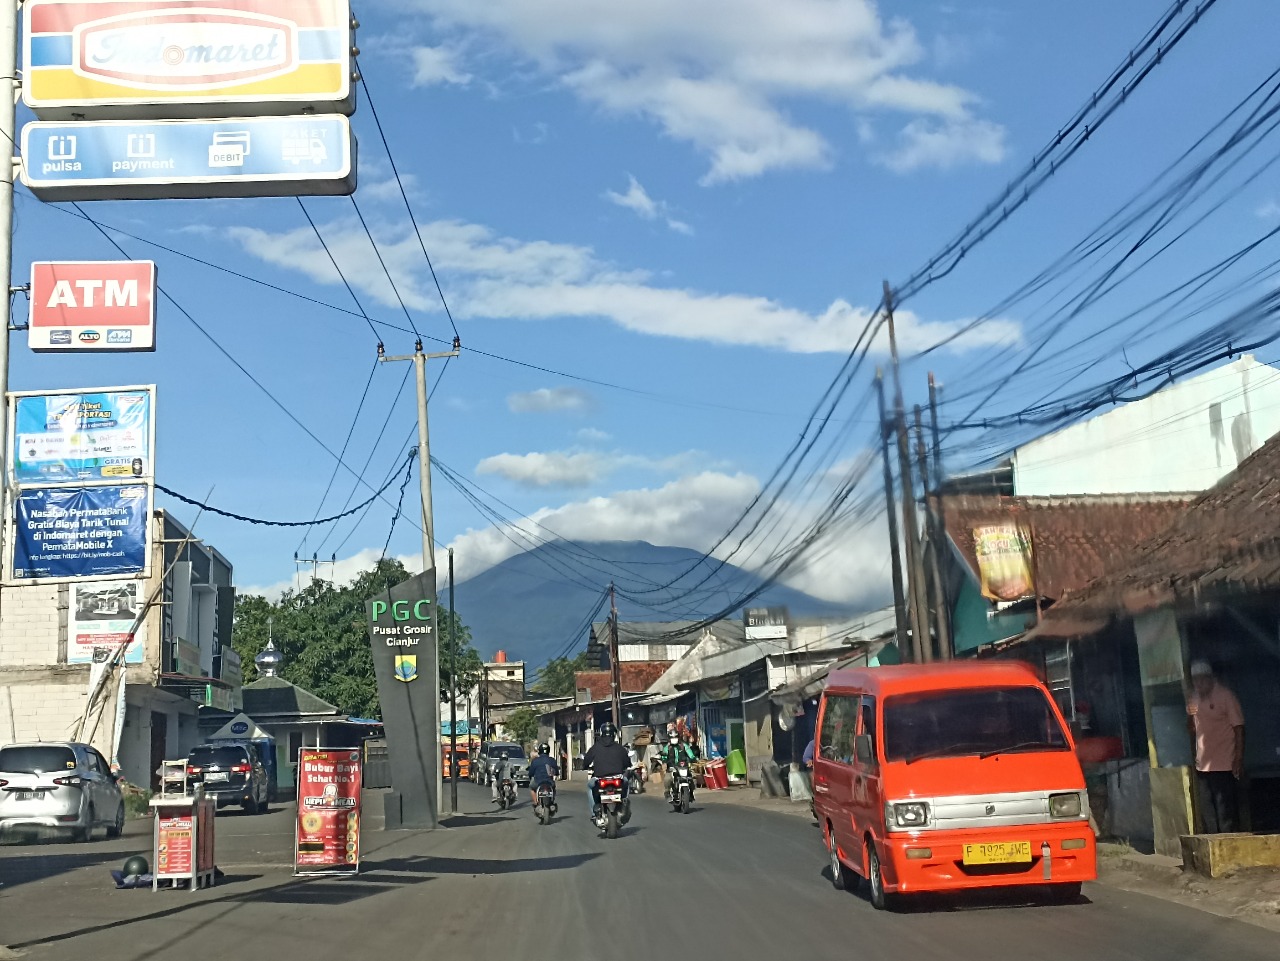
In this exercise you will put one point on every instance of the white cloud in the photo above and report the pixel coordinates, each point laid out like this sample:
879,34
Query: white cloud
539,134
945,144
637,200
593,435
343,571
1268,211
496,277
578,468
549,399
718,74
554,469
437,65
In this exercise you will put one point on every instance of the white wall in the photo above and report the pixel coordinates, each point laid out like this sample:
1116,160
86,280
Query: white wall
32,623
1184,438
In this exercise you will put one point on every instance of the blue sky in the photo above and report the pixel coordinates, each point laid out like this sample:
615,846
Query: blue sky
693,201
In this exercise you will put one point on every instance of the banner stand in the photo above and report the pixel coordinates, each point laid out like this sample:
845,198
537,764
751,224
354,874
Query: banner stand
326,837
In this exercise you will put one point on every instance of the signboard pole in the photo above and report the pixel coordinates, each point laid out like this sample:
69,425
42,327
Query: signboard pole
8,124
454,764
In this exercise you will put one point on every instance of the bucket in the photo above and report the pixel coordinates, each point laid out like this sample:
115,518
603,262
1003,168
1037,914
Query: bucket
717,773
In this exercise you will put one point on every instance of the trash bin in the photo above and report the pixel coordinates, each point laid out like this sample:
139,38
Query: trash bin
718,775
736,766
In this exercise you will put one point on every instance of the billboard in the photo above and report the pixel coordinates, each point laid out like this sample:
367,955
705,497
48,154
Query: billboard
167,159
1003,552
92,306
82,435
765,623
103,59
327,838
67,533
101,620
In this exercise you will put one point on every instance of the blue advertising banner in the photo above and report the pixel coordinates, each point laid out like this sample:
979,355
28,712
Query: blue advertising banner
60,438
68,532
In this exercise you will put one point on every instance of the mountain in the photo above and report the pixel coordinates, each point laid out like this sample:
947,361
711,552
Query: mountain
531,605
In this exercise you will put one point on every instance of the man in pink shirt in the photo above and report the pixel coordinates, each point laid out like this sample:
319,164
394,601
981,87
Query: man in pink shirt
1219,728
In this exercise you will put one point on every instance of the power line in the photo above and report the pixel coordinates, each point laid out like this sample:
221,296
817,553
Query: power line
390,280
343,277
404,195
258,521
408,472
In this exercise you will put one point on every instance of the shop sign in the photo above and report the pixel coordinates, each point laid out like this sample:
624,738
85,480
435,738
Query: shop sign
328,817
103,59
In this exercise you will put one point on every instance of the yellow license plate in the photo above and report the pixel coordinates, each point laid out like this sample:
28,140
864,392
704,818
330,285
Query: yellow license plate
998,852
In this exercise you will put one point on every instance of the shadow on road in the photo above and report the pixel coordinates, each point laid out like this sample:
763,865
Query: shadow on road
23,869
476,866
995,899
475,820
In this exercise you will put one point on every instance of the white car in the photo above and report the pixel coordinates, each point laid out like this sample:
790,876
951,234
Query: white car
58,786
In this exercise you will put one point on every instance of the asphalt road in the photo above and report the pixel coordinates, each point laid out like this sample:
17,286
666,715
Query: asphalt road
721,881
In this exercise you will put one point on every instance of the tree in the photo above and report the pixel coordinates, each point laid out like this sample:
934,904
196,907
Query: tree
322,632
556,679
522,725
469,666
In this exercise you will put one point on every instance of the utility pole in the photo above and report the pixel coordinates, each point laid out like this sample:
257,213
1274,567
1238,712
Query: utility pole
9,135
891,511
937,598
453,696
940,518
428,524
615,675
919,605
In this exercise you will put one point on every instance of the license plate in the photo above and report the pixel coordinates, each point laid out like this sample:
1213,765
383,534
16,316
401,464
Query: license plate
28,795
998,852
611,798
216,776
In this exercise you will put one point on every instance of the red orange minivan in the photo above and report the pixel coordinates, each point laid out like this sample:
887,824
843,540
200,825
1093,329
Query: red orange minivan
946,777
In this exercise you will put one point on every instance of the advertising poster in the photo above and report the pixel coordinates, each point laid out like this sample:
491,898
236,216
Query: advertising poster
80,532
101,617
174,836
1004,561
63,438
328,826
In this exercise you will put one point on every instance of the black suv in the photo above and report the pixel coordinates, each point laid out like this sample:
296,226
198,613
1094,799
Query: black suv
231,774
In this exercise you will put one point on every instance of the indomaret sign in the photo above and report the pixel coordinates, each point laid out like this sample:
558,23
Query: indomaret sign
93,306
402,632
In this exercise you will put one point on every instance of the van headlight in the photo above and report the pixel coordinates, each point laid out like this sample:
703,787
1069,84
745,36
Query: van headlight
909,814
1065,805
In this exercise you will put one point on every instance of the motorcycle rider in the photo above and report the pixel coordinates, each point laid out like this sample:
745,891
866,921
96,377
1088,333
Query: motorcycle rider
501,770
607,758
543,770
671,755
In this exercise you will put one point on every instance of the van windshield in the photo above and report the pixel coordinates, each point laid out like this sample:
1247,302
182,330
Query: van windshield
982,721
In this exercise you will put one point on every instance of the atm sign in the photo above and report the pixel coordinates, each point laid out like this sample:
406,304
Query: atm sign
72,303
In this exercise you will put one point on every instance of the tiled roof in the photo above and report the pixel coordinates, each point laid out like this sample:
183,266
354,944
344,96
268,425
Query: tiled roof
1227,541
635,677
1074,538
270,696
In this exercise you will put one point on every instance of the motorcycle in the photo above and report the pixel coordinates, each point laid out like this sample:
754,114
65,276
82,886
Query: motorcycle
546,802
636,778
614,808
682,789
507,793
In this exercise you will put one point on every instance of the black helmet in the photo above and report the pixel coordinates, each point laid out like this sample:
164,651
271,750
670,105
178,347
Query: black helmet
135,865
608,729
544,749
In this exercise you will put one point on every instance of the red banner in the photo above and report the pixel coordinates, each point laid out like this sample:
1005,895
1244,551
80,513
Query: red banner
328,824
173,846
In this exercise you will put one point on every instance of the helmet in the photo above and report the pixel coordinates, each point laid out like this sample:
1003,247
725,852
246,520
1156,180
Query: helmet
506,756
608,729
135,865
544,749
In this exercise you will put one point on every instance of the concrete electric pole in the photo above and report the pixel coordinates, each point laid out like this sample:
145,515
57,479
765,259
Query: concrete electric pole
428,525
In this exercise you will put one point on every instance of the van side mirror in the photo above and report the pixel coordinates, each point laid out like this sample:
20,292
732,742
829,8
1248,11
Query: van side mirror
864,749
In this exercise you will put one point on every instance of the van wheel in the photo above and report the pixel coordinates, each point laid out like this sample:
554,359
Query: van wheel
1067,893
837,869
875,880
85,834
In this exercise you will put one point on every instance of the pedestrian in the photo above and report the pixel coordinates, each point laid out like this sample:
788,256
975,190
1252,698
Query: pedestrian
1218,724
806,759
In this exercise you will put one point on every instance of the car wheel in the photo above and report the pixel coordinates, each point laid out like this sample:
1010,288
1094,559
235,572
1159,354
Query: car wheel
837,869
875,880
84,834
116,827
251,806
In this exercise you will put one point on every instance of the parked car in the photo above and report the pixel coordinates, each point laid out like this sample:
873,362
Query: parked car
949,776
63,786
231,774
516,759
